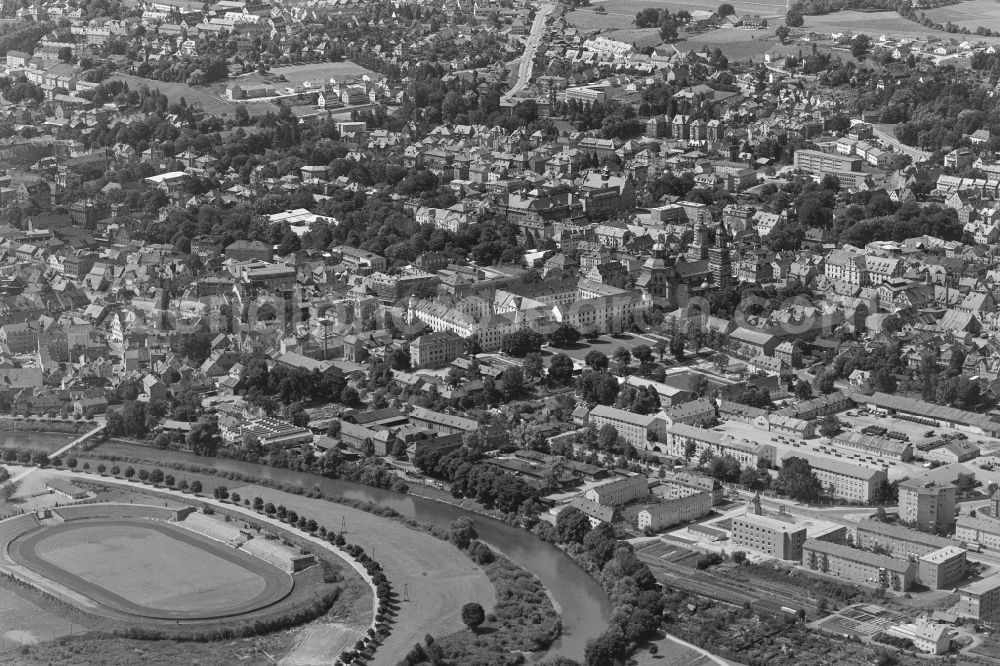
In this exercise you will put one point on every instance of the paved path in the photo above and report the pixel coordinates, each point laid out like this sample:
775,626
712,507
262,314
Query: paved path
885,134
79,440
527,65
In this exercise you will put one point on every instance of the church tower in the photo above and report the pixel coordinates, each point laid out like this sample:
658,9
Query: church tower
656,278
719,261
698,249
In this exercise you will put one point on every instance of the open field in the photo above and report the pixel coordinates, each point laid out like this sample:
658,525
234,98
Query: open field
971,15
150,569
438,577
319,72
318,641
210,102
737,45
621,13
113,651
23,623
876,24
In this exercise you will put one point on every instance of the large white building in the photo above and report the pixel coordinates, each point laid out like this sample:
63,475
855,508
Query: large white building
847,481
682,437
636,429
617,492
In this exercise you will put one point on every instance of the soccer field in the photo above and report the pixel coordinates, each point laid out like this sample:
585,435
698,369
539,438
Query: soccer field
151,569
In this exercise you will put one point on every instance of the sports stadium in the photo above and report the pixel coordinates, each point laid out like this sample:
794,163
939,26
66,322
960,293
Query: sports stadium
157,566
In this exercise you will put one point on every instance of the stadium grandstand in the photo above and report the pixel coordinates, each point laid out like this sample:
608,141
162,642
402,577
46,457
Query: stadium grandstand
213,529
113,511
273,552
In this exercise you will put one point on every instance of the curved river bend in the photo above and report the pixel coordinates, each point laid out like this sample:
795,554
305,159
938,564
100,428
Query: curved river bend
584,607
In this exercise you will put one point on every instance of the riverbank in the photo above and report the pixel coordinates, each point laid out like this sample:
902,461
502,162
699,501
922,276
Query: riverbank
55,426
584,607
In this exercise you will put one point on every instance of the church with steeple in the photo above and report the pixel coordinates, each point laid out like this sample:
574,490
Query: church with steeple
668,280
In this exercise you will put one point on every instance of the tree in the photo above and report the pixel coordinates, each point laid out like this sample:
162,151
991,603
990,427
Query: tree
533,366
721,362
473,616
203,438
564,336
129,472
513,382
644,355
802,390
623,356
221,493
156,476
725,9
782,32
196,487
859,45
572,525
677,347
461,532
739,557
71,462
520,343
596,360
829,425
797,480
561,369
258,504
793,18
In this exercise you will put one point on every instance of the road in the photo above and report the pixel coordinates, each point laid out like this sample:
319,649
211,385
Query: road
527,65
884,133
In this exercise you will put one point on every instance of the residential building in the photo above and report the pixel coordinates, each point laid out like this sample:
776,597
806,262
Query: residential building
685,441
671,511
942,568
770,536
435,350
925,636
636,429
980,599
620,491
858,566
927,504
898,540
851,482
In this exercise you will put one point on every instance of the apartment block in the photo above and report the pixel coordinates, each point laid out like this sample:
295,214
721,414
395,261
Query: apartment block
435,350
980,599
682,437
847,481
858,566
899,540
770,536
928,504
635,429
670,512
617,492
943,568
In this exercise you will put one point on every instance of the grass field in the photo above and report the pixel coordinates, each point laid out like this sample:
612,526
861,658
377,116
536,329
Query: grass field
621,13
439,578
971,15
206,97
151,570
296,74
23,623
875,24
737,45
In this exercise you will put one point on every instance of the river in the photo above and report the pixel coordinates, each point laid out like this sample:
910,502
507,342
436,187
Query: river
585,609
45,441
